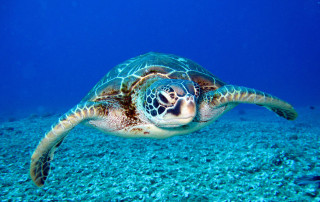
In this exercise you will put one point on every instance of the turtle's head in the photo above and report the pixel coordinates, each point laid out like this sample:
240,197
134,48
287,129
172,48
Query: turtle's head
171,103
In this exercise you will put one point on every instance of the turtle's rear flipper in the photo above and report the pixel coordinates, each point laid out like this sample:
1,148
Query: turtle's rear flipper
43,155
235,94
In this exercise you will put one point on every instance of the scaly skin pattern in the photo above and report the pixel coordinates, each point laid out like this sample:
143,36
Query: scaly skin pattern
43,155
236,94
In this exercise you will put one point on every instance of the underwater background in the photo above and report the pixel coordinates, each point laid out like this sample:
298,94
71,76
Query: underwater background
53,52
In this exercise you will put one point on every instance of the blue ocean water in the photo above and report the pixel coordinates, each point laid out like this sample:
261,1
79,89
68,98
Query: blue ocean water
53,52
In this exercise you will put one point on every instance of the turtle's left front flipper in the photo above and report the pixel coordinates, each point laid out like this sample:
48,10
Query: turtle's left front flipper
236,94
43,155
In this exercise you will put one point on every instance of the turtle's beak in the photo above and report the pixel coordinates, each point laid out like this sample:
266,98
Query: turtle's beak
188,108
183,113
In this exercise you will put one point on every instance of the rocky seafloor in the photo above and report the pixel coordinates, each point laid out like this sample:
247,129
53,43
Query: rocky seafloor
247,155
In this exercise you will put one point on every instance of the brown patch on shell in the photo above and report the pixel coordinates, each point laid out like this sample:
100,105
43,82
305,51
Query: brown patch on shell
207,83
128,83
113,88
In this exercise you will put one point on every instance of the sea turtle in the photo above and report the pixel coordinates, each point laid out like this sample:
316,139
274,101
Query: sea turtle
153,95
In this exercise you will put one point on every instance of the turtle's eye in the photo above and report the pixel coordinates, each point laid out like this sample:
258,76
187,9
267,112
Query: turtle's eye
164,98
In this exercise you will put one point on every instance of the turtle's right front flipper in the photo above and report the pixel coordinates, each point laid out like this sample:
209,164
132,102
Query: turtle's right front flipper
234,95
43,155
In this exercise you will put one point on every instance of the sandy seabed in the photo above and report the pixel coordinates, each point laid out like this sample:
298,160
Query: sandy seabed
247,155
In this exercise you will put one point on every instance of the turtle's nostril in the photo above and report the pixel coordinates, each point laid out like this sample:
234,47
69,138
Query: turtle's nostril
189,97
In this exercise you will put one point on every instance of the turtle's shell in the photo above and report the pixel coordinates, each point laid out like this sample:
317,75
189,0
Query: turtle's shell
123,78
